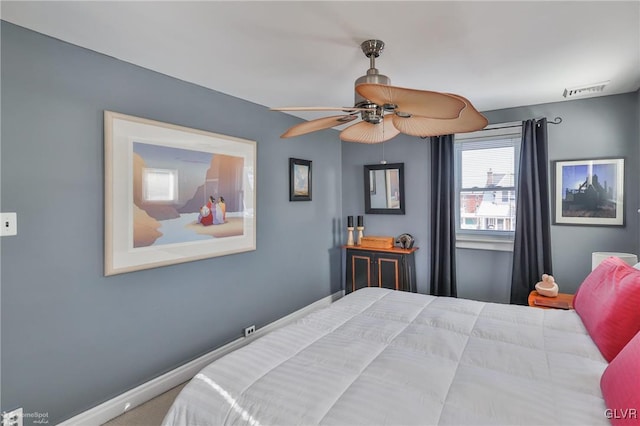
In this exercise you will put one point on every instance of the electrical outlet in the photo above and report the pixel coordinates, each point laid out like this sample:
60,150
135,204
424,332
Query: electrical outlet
9,222
12,418
249,331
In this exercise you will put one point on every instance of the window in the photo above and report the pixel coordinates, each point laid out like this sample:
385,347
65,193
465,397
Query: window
159,185
486,168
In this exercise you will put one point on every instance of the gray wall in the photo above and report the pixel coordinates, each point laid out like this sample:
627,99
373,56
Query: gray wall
72,338
414,153
598,127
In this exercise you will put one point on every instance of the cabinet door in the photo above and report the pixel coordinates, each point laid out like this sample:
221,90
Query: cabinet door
388,269
359,270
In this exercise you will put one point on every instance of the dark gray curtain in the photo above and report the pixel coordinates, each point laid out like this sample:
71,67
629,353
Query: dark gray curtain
532,243
443,227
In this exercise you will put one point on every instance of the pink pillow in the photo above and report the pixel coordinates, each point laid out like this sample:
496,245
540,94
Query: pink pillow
608,302
620,385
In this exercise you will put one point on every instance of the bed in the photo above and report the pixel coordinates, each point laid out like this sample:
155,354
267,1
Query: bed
380,356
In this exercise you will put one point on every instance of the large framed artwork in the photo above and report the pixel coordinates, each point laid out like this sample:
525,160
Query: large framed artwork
589,192
299,179
175,194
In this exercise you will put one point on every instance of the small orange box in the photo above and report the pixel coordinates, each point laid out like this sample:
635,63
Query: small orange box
377,242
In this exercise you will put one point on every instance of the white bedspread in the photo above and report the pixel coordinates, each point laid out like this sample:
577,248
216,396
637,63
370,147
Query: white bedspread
380,356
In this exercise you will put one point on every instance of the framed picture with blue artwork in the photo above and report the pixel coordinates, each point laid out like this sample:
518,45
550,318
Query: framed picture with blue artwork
299,180
174,194
589,192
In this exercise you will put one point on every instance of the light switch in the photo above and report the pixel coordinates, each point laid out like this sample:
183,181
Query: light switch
9,224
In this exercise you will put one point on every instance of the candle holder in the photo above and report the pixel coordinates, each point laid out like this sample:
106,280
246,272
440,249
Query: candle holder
360,235
350,235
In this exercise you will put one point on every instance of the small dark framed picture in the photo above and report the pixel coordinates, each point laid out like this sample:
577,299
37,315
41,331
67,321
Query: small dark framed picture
589,192
299,180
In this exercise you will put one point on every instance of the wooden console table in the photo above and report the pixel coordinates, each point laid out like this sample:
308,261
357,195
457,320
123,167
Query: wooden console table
393,268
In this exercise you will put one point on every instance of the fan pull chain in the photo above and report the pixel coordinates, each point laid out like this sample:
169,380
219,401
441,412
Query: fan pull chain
383,160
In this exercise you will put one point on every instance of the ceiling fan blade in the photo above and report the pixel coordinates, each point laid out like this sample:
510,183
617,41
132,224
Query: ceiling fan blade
365,132
469,120
319,124
411,101
345,109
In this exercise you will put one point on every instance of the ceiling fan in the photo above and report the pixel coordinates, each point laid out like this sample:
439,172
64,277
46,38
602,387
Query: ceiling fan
387,111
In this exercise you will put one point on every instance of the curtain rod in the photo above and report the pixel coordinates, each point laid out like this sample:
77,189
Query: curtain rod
556,120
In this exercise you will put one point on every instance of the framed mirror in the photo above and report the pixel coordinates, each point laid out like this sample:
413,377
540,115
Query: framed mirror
384,188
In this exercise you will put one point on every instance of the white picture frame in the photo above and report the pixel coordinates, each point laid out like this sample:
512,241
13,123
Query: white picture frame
158,220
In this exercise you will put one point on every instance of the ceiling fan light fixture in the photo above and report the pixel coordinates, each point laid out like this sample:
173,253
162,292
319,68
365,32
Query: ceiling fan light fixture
403,114
369,133
373,116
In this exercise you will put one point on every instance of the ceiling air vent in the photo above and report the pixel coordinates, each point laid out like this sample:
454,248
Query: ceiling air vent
588,89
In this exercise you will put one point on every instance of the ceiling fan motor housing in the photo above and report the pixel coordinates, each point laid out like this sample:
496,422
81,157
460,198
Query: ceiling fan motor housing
375,115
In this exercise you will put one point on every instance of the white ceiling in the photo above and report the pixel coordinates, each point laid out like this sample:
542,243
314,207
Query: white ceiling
497,54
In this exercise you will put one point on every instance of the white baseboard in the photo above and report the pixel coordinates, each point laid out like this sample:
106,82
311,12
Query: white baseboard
127,401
